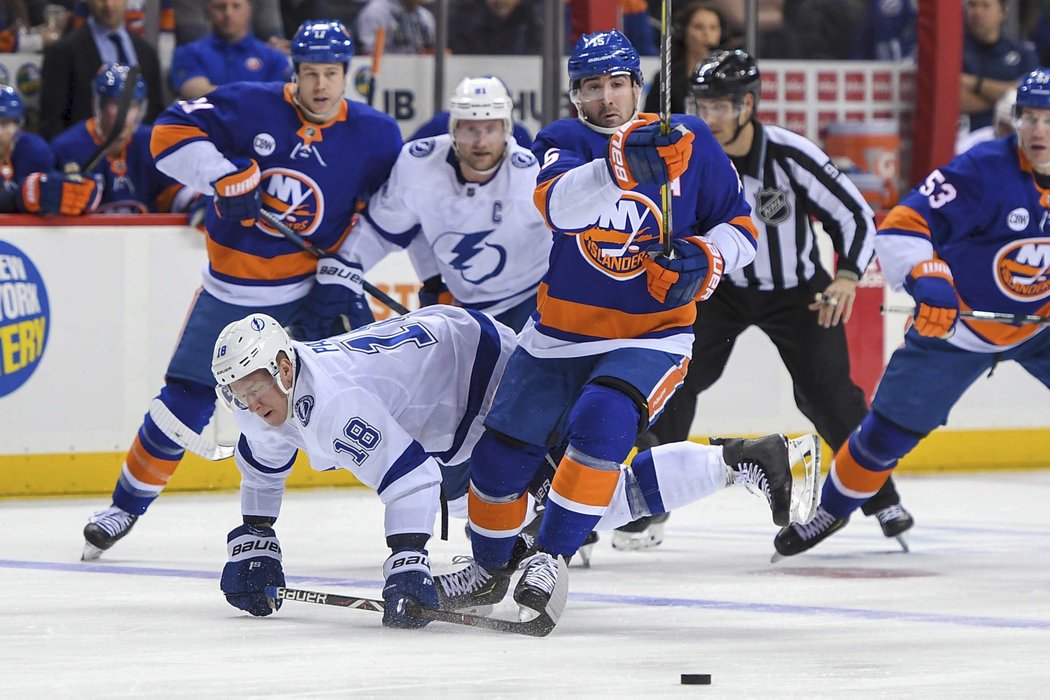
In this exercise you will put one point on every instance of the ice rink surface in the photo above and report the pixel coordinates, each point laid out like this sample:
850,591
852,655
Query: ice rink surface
965,614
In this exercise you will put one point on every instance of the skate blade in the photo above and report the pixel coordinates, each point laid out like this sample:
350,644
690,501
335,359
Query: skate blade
777,557
903,541
585,552
805,495
632,542
91,552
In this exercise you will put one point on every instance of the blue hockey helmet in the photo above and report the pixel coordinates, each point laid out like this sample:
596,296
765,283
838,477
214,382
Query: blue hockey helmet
11,106
604,53
110,81
322,41
1033,91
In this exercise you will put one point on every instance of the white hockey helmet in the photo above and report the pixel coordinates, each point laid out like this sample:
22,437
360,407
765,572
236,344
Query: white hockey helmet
481,98
255,342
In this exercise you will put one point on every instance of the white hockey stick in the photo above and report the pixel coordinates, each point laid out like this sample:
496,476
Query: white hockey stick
1014,319
805,493
183,436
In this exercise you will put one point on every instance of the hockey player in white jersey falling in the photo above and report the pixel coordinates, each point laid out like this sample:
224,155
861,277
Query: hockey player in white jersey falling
461,203
391,402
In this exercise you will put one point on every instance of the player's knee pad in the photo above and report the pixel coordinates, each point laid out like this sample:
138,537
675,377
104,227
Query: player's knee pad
603,423
191,402
878,442
501,466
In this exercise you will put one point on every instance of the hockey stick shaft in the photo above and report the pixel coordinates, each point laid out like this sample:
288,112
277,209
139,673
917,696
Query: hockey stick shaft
184,436
667,231
1015,319
345,601
377,59
123,107
313,250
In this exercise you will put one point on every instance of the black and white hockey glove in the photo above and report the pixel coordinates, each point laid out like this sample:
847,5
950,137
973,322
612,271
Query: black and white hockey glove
408,580
254,563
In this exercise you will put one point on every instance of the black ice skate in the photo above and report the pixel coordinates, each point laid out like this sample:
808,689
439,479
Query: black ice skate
103,530
644,533
473,588
895,522
764,464
798,537
543,588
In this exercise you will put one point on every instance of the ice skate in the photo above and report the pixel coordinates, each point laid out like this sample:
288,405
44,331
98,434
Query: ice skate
764,466
895,522
103,530
543,588
472,588
644,533
586,550
798,537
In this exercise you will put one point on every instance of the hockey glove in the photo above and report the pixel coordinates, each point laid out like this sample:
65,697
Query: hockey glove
254,563
691,275
58,193
408,582
335,305
237,194
639,155
936,304
434,291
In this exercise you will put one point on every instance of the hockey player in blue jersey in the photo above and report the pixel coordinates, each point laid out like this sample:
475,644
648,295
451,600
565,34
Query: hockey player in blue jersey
131,181
972,236
308,156
612,334
21,153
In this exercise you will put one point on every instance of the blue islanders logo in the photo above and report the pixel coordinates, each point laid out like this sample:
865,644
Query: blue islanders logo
616,244
295,198
471,255
25,318
1022,269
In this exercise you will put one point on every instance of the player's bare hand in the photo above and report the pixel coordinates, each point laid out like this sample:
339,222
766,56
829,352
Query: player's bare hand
835,304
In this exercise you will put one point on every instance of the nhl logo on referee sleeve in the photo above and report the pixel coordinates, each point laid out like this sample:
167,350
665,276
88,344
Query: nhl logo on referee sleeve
771,205
303,408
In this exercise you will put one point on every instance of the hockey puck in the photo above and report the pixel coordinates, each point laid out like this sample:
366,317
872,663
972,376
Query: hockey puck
696,679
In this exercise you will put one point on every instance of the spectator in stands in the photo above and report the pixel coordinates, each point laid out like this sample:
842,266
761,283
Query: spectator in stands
410,27
21,153
131,181
643,34
992,62
886,31
229,54
17,30
1004,124
496,27
191,22
70,66
816,29
696,31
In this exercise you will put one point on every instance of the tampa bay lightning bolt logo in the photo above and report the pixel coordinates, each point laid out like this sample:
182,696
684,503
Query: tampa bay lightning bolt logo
303,408
471,255
522,160
421,148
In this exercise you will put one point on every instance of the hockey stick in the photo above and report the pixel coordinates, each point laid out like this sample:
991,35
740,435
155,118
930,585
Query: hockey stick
377,58
667,232
1013,319
123,107
183,436
541,626
313,250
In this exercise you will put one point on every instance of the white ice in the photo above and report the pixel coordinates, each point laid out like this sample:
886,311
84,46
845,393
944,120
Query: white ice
965,614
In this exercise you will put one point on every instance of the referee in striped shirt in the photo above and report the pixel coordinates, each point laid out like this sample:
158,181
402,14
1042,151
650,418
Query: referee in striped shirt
787,179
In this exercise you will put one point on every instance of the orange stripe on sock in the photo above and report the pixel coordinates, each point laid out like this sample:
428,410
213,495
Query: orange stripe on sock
584,485
674,378
856,477
497,517
147,468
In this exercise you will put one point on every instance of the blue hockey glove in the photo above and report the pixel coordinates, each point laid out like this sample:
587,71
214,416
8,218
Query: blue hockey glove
408,579
58,193
335,305
254,563
237,194
640,155
691,275
434,291
936,303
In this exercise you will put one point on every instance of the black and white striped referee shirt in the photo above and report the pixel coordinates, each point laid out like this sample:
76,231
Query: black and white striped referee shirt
787,179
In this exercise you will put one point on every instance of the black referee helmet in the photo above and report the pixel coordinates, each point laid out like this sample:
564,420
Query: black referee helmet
726,74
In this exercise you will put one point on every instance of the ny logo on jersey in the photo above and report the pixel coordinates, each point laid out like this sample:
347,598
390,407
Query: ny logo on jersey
476,259
616,243
1023,269
295,198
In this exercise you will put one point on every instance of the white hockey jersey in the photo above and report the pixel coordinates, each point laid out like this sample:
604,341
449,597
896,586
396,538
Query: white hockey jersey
489,242
386,402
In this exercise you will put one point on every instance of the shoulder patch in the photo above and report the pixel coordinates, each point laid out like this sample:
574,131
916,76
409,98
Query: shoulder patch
303,408
522,160
421,148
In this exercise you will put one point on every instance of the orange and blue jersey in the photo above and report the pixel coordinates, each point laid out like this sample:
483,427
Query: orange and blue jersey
986,216
131,181
594,296
313,177
30,154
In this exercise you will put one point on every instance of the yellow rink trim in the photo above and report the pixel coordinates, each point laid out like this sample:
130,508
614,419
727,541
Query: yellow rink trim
96,473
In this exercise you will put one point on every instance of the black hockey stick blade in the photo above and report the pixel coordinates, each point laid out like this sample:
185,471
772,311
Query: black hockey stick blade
539,627
313,250
123,107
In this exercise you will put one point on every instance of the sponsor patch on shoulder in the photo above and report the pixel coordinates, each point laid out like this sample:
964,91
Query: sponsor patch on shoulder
421,148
